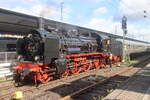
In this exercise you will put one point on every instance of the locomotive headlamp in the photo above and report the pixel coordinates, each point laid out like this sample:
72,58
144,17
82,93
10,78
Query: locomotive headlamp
29,35
37,58
20,57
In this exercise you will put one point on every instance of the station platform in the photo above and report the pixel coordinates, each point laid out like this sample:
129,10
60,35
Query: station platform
136,88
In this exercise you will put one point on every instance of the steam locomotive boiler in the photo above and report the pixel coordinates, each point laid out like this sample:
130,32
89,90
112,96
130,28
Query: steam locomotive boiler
44,55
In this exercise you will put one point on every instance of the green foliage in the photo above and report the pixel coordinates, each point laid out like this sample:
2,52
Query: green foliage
127,58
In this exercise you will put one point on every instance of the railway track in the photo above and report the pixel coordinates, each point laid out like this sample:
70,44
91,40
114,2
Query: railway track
26,89
100,89
6,87
77,94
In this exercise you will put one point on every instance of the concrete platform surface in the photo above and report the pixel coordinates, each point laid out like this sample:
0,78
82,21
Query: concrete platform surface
136,88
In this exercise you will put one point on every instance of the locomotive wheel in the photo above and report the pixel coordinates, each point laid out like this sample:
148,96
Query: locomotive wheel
86,68
44,78
17,79
76,70
66,73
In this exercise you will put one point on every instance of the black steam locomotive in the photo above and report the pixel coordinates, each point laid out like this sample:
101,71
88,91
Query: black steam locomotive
62,53
44,47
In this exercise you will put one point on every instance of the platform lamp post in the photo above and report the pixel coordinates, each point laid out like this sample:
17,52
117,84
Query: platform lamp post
61,11
145,14
41,23
124,28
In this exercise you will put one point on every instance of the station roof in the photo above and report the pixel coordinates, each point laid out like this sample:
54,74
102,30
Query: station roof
18,23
